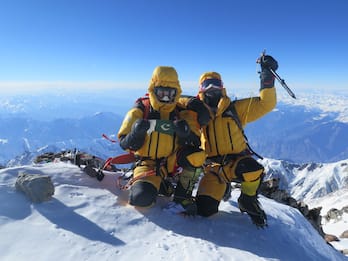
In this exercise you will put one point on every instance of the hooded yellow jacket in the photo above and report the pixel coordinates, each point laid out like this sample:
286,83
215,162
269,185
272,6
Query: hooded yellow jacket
159,144
222,136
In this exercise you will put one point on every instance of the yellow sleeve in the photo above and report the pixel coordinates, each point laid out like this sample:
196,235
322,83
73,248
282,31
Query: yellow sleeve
191,118
183,101
189,115
131,117
253,108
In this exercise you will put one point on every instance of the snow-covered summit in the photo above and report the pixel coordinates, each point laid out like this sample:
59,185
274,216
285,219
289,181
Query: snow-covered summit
90,220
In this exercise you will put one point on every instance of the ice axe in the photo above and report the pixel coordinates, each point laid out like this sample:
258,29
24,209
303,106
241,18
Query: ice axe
282,82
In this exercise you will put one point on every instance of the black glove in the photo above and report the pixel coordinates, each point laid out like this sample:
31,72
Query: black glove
140,126
181,128
135,139
193,140
268,62
267,78
203,115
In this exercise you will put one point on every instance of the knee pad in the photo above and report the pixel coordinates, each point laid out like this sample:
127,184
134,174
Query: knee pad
211,186
206,206
142,194
248,169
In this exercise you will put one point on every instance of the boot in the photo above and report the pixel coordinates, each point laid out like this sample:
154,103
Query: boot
183,191
166,188
184,198
252,207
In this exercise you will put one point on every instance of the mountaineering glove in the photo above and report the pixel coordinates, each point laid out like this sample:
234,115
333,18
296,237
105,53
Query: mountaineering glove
203,115
135,139
268,62
181,128
185,135
267,78
140,126
192,140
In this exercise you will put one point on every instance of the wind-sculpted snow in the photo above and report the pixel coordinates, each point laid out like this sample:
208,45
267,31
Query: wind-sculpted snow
90,220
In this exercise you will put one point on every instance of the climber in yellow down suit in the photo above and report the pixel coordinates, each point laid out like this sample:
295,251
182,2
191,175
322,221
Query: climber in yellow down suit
163,130
228,155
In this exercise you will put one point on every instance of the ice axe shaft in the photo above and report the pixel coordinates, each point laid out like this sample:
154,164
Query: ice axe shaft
282,82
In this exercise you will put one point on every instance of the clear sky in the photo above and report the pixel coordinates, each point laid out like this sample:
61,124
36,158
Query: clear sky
119,42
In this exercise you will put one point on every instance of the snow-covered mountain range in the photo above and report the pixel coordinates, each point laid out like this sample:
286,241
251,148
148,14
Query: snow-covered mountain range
312,128
300,134
23,138
303,142
308,181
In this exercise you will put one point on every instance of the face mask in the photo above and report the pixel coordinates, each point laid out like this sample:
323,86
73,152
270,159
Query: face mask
212,97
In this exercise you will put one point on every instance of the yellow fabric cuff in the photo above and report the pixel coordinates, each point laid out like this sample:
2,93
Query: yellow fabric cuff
250,188
253,175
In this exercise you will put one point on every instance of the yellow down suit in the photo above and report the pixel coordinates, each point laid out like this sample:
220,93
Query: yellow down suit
228,157
158,156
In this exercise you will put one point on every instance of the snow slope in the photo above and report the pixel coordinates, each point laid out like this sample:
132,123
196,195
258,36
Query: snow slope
337,200
90,220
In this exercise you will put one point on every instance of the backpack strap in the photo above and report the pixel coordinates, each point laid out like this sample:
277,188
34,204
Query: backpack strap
232,112
234,115
143,104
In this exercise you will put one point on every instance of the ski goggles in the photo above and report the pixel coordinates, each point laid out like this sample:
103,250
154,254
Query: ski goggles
210,84
165,94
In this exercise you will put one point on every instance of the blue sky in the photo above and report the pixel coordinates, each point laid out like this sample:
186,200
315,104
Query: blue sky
118,43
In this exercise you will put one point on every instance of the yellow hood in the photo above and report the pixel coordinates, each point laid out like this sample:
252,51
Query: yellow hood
209,75
165,76
224,101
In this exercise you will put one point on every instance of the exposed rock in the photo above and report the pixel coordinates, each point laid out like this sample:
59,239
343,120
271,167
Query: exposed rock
344,234
36,187
334,214
73,156
270,189
330,238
